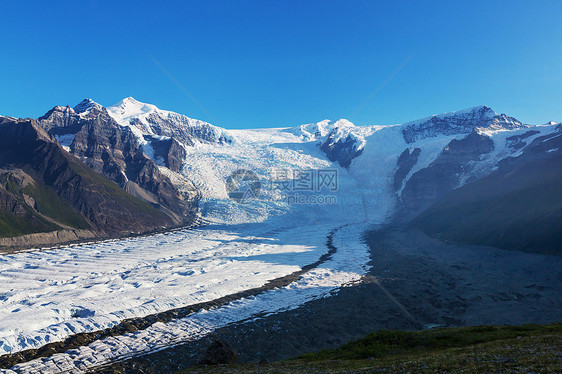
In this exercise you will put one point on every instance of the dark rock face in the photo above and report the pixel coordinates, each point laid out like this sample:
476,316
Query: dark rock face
219,353
8,202
47,184
341,151
458,123
405,163
542,147
517,141
61,121
115,152
168,150
517,207
443,175
17,209
186,130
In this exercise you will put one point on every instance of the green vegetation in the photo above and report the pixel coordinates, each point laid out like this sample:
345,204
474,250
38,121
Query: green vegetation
47,214
392,342
119,195
30,222
528,348
11,185
49,204
11,225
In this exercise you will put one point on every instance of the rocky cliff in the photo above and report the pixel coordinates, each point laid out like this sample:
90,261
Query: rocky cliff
460,122
516,207
443,175
43,188
118,153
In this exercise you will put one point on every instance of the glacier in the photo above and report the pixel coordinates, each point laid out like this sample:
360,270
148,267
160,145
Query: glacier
47,295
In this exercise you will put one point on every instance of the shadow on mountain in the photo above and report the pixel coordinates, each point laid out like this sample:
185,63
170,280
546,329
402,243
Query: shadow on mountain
518,207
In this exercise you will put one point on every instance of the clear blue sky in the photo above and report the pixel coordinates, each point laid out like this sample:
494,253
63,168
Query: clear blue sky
283,63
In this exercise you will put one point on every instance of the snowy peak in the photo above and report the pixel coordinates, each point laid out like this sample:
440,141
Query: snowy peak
318,130
459,122
133,102
344,130
341,140
86,106
129,108
150,120
82,109
326,128
480,112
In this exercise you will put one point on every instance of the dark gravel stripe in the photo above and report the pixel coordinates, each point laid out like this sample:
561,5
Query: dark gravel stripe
141,323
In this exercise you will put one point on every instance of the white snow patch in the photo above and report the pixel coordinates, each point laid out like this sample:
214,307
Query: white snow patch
65,140
142,116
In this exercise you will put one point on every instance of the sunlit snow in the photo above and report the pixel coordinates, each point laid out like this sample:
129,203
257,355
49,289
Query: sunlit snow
47,295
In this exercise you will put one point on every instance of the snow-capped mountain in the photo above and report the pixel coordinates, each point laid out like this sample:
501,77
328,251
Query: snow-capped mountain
516,207
149,120
87,106
382,169
119,153
381,174
459,122
48,196
341,140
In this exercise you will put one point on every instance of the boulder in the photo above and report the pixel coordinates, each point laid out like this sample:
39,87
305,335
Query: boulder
219,353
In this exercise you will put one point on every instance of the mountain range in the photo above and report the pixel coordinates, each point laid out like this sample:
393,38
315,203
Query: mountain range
48,195
471,176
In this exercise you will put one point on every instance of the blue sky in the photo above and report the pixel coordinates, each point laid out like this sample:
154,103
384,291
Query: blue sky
283,63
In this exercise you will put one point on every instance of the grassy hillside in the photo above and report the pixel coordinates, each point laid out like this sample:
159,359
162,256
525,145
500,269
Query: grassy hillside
45,189
49,204
39,207
528,348
117,194
11,225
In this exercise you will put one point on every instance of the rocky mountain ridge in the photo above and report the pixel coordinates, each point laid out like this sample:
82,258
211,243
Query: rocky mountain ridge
150,120
460,122
517,206
154,154
118,153
45,189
